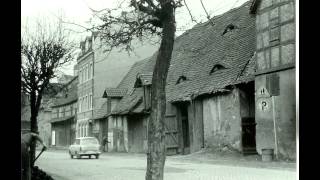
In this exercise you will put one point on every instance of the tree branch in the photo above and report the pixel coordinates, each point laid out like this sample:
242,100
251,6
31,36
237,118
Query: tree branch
208,16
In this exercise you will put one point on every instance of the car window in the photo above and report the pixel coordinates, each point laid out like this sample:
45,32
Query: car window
89,141
77,142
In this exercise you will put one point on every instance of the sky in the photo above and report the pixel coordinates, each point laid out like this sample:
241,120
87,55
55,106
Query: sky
78,12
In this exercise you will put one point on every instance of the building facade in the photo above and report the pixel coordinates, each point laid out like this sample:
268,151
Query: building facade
275,76
64,114
85,68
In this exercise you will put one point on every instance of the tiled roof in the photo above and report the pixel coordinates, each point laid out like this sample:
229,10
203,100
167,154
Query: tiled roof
131,102
61,119
72,96
102,112
198,50
114,92
143,79
194,55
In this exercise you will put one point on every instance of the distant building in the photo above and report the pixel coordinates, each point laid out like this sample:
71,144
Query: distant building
64,78
43,118
98,70
63,115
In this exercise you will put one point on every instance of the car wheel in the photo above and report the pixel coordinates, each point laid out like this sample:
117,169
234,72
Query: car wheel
71,155
78,155
89,156
97,156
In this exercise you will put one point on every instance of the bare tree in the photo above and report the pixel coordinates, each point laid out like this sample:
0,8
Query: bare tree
42,52
145,18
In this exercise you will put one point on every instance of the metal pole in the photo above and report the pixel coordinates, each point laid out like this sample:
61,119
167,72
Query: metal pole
274,127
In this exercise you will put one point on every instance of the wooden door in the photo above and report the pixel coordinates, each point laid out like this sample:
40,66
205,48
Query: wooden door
248,136
171,130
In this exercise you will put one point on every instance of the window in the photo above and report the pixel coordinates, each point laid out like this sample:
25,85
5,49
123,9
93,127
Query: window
216,68
86,102
77,142
273,84
181,79
85,130
274,32
91,69
86,73
79,103
229,28
55,113
91,101
80,77
83,74
82,104
61,112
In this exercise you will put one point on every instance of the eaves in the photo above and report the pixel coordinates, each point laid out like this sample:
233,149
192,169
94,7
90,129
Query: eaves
84,56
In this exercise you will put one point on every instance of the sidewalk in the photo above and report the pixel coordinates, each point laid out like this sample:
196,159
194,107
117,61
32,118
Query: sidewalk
233,159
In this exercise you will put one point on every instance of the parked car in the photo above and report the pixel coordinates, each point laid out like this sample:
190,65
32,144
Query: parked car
85,146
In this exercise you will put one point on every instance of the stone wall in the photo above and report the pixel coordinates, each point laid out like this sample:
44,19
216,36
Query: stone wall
222,121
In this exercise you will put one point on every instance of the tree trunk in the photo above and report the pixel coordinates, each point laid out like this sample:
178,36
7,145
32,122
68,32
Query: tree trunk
156,132
35,101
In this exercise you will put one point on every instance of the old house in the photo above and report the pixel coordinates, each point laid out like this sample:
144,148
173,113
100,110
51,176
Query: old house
210,90
103,118
210,85
130,115
275,76
123,112
64,111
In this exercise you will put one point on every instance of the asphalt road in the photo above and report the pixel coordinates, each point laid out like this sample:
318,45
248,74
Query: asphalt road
123,166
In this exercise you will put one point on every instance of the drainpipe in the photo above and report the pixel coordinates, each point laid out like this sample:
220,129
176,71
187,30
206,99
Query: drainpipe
274,127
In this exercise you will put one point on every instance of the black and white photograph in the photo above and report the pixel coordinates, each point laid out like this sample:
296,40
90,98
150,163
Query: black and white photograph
159,90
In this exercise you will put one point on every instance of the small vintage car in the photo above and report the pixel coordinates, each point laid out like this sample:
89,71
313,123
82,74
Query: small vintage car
85,146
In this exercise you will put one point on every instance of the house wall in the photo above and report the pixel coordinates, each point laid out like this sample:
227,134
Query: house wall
195,117
118,130
137,134
63,133
173,137
276,21
222,121
281,115
110,133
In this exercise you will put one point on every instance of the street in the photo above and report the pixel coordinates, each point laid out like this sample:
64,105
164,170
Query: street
123,166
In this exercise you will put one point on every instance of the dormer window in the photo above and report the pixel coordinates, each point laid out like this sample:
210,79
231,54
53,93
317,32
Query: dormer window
216,68
181,79
229,28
